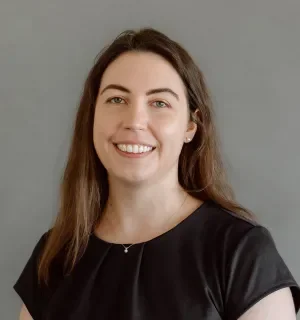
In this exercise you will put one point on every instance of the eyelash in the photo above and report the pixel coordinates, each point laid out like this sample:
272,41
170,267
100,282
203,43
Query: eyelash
110,101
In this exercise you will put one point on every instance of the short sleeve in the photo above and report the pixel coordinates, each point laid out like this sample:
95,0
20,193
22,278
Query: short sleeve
27,286
255,270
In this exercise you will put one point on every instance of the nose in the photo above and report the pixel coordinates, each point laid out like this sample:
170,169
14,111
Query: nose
136,116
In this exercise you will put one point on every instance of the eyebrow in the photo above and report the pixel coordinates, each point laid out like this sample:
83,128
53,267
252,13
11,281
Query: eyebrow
148,93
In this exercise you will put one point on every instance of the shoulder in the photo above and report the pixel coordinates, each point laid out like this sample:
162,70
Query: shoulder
40,245
227,239
245,258
27,285
221,225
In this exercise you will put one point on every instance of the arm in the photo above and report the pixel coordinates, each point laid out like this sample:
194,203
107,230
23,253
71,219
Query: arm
24,314
276,306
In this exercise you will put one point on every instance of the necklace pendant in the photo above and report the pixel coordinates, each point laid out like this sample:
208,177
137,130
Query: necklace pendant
126,250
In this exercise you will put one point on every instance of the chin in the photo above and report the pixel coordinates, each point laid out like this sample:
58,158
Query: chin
134,178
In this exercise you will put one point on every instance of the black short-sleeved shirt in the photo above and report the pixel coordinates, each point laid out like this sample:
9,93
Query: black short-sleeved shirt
213,265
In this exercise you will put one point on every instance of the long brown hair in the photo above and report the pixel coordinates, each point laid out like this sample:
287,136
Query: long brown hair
84,185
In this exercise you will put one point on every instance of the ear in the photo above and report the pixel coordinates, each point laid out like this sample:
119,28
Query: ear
191,128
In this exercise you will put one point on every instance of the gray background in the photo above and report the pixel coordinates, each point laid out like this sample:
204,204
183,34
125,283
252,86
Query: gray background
249,52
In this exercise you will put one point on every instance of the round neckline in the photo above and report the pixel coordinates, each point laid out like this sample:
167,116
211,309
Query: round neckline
166,233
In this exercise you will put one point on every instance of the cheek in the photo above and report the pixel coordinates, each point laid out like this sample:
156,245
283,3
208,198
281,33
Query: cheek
102,127
100,137
100,140
171,130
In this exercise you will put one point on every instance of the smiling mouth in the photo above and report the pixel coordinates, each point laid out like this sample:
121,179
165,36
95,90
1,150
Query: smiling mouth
134,148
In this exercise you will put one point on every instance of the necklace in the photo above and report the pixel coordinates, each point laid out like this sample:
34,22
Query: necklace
126,248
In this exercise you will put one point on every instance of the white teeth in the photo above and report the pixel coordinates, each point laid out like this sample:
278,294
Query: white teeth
133,148
141,148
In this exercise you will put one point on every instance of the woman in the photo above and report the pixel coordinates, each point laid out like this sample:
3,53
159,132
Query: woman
148,228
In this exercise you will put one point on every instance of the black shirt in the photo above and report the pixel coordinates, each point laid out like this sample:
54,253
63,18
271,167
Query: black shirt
213,265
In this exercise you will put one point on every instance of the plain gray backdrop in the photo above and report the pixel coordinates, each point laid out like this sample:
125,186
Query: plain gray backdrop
249,52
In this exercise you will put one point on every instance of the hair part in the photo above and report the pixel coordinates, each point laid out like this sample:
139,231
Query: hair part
84,184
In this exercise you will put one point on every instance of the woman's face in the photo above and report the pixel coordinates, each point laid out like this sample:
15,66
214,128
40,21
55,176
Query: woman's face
141,103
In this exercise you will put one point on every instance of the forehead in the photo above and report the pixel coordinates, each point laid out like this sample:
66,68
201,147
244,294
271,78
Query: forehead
143,71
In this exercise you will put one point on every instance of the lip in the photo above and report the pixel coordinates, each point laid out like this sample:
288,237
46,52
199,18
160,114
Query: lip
134,142
132,155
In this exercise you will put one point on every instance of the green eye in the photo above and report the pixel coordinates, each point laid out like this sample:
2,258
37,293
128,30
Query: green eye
160,104
116,100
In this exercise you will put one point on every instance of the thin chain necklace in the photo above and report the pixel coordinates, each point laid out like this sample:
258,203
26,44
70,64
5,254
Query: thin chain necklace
126,248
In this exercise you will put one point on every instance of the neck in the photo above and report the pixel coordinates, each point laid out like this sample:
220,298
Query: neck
142,203
132,211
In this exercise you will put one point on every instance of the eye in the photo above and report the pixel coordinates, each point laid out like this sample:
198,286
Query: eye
116,100
161,104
